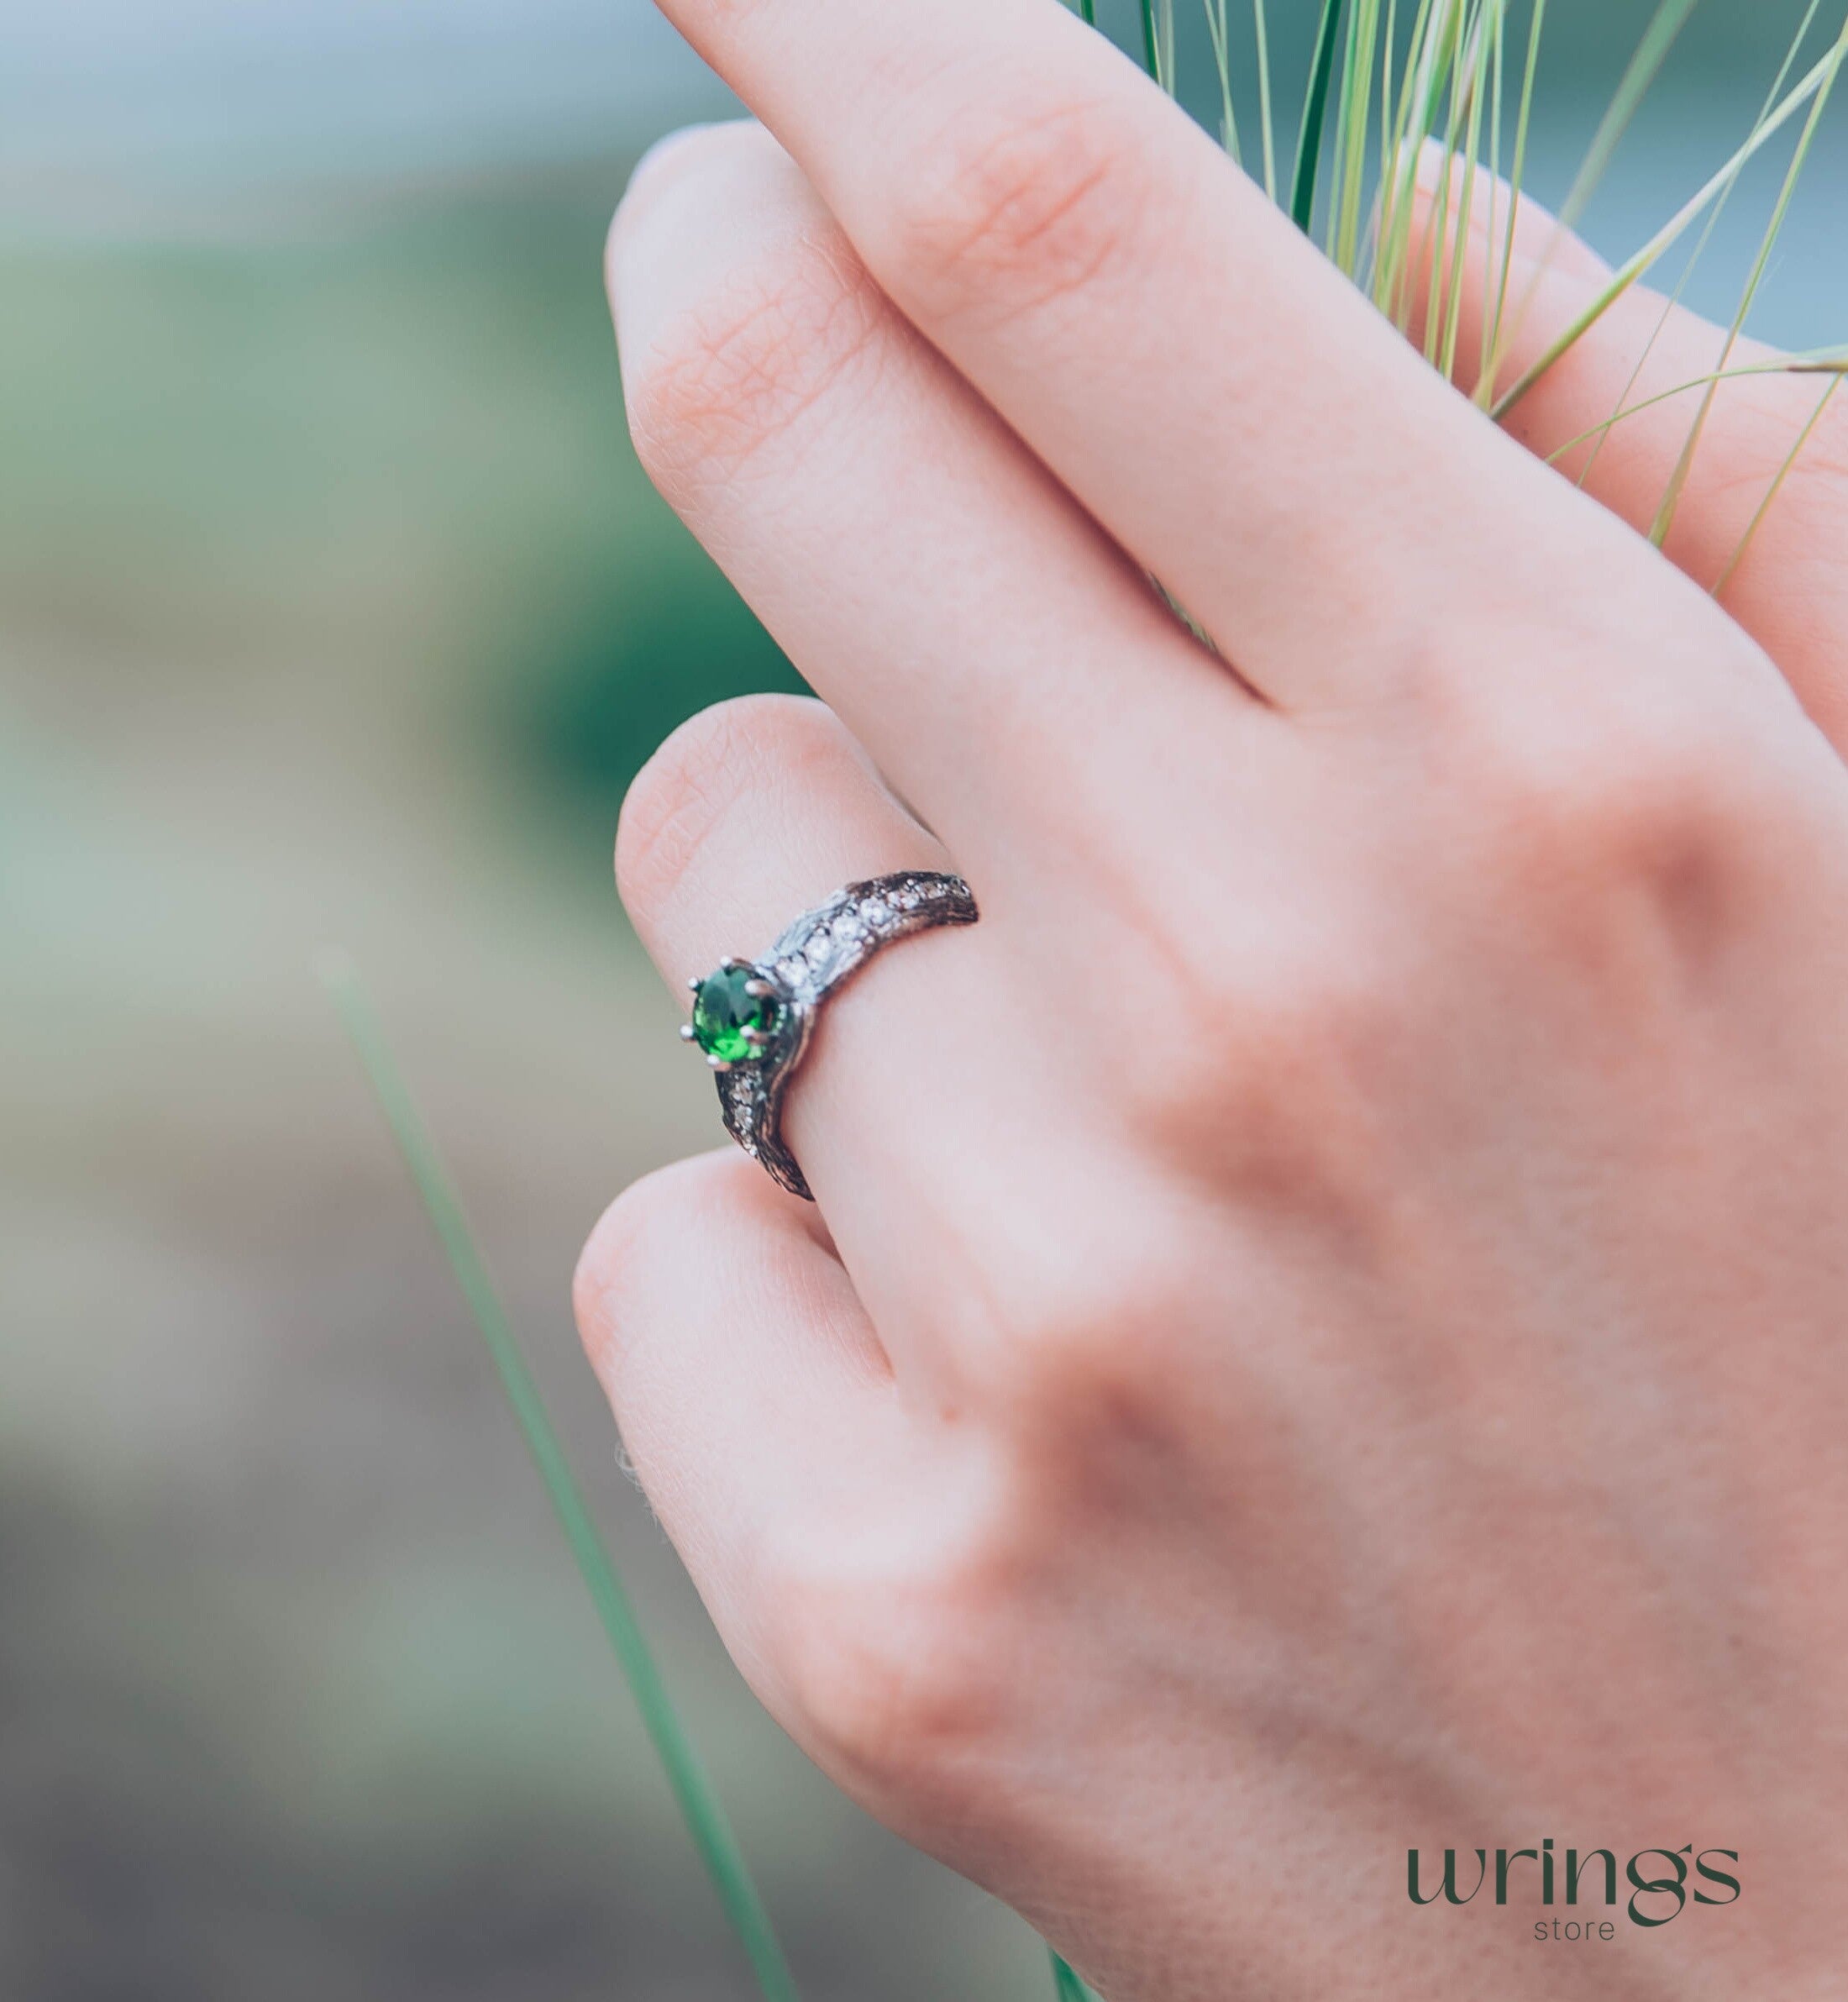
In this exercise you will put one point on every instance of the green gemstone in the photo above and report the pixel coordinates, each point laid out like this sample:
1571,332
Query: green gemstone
723,1011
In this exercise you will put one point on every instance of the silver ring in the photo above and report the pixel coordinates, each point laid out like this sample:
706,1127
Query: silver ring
754,1017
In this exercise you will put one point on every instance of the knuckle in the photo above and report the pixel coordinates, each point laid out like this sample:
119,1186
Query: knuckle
1078,1350
698,778
1625,849
741,366
1023,209
1611,804
897,1683
1086,1383
1310,1021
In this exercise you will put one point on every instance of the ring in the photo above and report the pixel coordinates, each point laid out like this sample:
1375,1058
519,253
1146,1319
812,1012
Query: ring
754,1017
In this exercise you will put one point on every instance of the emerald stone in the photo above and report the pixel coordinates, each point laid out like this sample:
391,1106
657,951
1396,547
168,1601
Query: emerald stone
722,1013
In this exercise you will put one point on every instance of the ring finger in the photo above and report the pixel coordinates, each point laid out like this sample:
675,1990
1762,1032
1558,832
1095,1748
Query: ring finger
749,815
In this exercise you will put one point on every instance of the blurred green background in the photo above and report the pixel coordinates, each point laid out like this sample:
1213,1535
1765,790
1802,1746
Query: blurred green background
333,608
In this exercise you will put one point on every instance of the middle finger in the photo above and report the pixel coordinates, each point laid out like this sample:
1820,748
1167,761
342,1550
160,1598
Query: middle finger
1224,402
978,634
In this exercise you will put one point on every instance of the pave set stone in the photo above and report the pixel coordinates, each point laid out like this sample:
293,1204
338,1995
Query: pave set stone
828,945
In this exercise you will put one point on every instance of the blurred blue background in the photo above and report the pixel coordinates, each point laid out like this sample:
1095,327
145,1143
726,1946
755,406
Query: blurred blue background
333,608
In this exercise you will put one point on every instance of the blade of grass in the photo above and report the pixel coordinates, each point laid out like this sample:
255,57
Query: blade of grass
1784,472
1671,231
1498,66
1420,89
1261,30
1451,66
1714,216
1485,393
1353,132
1308,143
1664,29
1822,361
1340,93
705,1818
1389,114
1220,36
1660,36
1152,46
1471,79
1665,515
1066,1984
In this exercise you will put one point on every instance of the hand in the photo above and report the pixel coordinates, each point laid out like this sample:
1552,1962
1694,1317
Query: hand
1322,1332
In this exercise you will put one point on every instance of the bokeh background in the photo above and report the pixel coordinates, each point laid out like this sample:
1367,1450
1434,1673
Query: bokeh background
334,609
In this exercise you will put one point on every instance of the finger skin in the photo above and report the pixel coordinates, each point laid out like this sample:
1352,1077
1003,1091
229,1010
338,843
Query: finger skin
752,811
1790,590
753,1398
750,814
915,560
1158,333
1402,1392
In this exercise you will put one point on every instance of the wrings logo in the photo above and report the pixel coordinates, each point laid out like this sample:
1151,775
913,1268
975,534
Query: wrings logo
1657,1881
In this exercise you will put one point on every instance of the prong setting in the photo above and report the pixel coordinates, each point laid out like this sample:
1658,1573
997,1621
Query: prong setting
737,1013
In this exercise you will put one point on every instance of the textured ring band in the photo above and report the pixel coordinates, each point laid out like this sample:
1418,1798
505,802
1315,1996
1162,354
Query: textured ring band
752,1017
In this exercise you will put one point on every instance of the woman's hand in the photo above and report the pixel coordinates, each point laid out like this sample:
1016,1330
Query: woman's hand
1322,1335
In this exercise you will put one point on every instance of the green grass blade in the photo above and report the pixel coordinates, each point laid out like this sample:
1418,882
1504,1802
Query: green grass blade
1666,237
1784,471
1516,179
705,1819
1086,12
1353,135
1388,114
1498,69
1502,229
1308,143
1219,35
1665,515
1152,45
1451,67
1471,79
1707,232
1638,79
1822,361
1066,1986
1419,88
1665,26
1261,30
